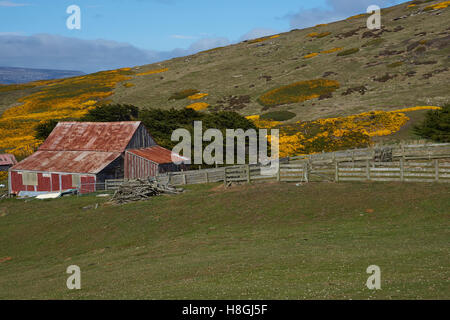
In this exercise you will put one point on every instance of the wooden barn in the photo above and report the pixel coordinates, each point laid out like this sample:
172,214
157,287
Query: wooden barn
7,161
83,155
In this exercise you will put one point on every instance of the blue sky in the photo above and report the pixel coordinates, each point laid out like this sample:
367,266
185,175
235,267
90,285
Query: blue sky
116,33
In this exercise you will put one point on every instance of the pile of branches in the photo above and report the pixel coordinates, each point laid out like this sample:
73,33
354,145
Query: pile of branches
141,190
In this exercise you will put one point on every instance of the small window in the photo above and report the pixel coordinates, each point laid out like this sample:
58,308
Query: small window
29,179
76,180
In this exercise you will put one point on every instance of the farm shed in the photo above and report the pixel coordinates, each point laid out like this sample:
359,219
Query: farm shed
151,162
7,161
83,155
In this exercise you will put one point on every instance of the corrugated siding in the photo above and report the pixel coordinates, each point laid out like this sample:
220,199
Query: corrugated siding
139,168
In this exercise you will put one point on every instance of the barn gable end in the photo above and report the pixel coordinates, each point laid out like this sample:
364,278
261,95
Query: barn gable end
141,139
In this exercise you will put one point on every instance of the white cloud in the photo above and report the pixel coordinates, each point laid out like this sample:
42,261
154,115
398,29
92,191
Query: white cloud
12,4
57,52
46,51
336,10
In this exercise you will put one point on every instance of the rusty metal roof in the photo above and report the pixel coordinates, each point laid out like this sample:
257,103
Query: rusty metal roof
157,154
7,159
90,136
67,161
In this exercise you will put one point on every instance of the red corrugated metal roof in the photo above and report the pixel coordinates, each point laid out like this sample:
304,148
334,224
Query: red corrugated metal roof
156,154
67,161
91,136
7,159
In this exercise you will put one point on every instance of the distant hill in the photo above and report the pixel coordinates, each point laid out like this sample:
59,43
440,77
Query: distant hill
10,75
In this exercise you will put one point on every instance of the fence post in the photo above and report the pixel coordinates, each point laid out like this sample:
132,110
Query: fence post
402,170
367,169
278,172
402,146
184,179
225,176
206,174
248,173
336,171
436,169
305,171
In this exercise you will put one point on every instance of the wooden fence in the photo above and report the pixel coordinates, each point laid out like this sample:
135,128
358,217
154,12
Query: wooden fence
409,163
433,170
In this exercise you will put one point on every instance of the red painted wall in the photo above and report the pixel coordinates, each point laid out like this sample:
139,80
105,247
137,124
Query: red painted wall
49,184
139,168
87,184
44,183
55,182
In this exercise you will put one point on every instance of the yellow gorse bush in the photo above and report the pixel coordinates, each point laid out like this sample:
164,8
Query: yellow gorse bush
261,123
311,55
3,175
440,5
57,99
331,134
198,106
197,96
263,39
331,50
356,16
298,92
153,72
318,35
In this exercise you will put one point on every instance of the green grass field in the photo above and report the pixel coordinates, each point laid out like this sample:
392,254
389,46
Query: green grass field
264,241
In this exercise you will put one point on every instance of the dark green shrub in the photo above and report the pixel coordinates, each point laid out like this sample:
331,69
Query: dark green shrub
278,115
436,125
348,52
111,113
44,129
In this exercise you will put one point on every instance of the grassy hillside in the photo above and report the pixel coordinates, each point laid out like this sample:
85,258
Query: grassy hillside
327,71
273,241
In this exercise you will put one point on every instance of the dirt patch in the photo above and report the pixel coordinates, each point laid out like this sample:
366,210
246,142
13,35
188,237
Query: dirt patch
385,78
418,63
267,78
350,33
329,73
326,96
434,72
233,103
361,89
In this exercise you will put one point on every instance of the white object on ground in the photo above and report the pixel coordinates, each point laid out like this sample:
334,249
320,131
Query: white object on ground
53,195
